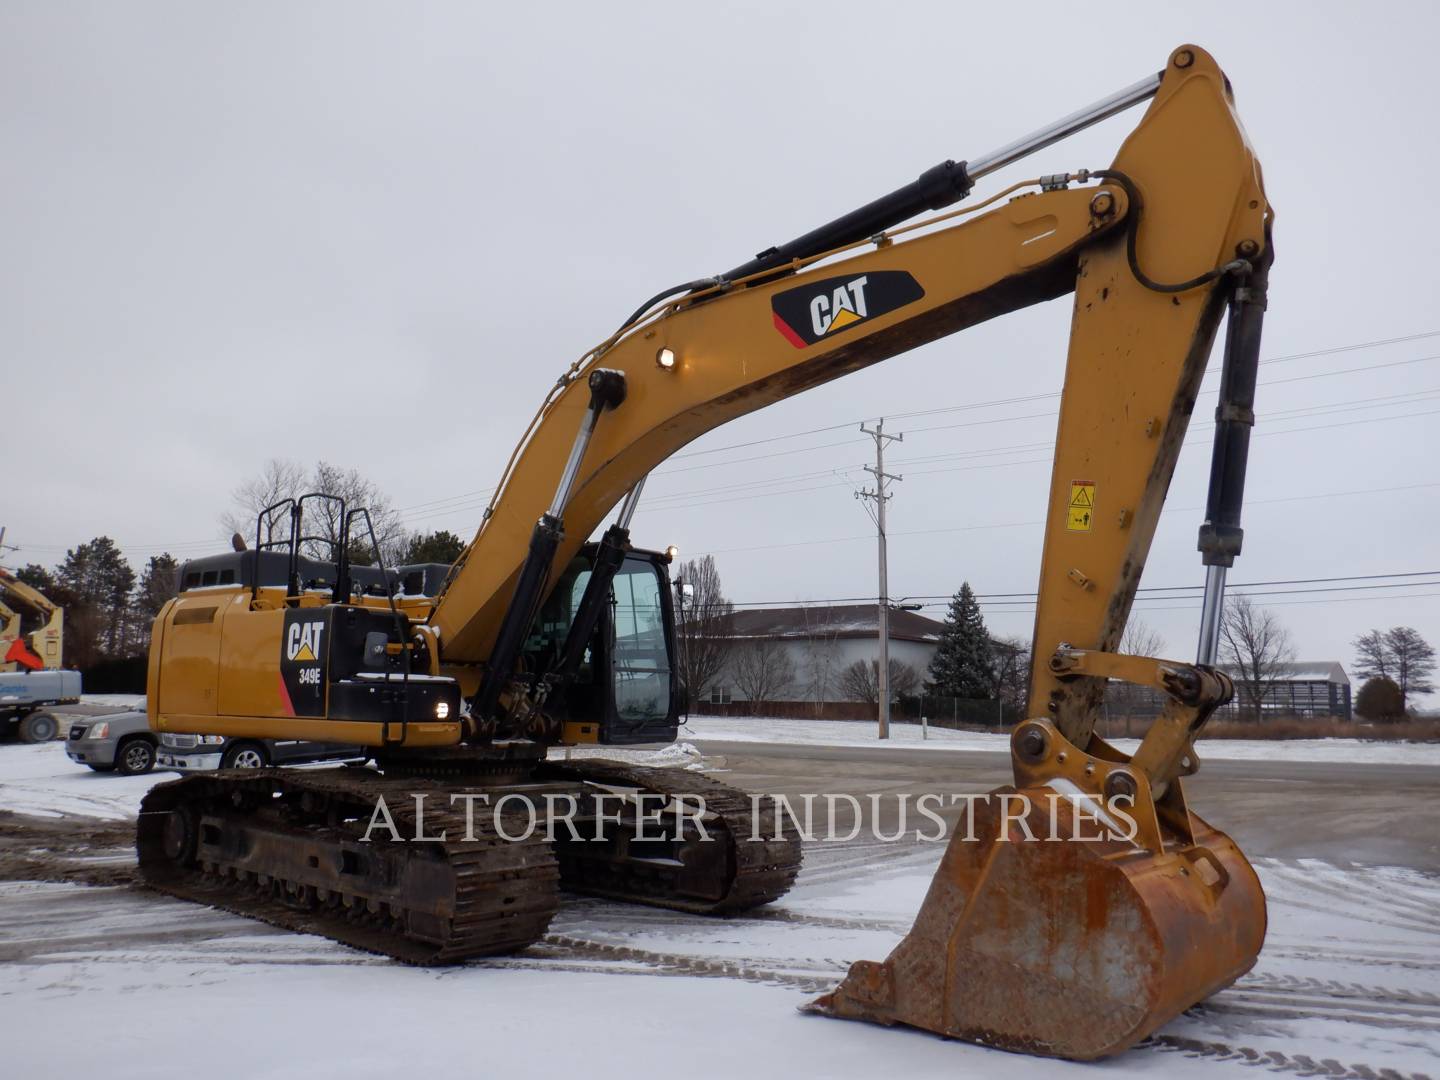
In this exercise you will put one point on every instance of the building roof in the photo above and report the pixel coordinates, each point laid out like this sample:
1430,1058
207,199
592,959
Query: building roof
1305,671
830,622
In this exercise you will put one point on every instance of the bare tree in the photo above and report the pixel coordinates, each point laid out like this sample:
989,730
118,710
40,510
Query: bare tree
763,670
1011,659
1141,639
280,480
861,681
706,626
1257,647
820,662
358,493
1414,662
1399,655
1373,658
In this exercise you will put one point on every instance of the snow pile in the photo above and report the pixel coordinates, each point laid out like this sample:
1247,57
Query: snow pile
680,755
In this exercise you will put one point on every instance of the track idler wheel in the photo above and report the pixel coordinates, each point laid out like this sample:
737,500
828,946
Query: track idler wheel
1041,933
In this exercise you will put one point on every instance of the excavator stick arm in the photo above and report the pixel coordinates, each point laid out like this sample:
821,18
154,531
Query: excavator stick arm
1085,906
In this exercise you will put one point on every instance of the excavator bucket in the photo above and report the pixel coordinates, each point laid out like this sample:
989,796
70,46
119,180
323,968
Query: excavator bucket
1051,928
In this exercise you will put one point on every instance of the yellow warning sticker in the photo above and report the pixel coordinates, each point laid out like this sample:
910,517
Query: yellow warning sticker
1081,513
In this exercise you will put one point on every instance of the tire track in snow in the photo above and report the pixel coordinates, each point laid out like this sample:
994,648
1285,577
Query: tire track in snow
1274,1060
1303,889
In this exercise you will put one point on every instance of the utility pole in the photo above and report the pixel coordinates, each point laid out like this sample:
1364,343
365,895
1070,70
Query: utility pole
881,497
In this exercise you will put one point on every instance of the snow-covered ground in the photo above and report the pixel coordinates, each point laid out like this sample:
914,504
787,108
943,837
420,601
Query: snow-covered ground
41,780
908,737
119,982
120,701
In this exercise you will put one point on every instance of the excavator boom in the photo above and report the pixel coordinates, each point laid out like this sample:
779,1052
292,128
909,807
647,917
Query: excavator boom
1135,352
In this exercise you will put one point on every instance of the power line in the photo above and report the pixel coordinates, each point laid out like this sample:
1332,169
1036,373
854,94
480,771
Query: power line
984,423
1331,351
461,506
1028,524
696,498
478,493
458,504
1029,598
1276,603
1191,603
182,546
1324,409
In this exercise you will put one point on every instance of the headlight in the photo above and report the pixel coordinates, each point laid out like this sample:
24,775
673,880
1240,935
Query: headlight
442,710
211,740
98,731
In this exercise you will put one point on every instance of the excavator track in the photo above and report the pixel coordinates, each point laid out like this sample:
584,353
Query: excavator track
432,886
286,847
751,859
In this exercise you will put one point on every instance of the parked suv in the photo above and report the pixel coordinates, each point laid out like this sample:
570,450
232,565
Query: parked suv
194,753
121,742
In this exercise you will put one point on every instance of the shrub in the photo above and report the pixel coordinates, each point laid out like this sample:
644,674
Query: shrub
1380,699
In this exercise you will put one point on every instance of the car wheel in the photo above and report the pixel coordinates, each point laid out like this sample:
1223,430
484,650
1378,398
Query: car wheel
245,756
136,755
39,727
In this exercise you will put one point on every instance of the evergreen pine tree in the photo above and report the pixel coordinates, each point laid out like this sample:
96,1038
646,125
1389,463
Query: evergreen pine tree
95,583
441,546
963,666
157,585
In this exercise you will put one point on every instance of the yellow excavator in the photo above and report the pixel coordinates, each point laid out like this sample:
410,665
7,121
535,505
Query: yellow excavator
1075,943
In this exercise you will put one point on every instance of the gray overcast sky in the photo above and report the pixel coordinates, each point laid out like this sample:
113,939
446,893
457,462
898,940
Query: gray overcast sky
375,233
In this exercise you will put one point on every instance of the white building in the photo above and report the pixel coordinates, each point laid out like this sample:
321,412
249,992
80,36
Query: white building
821,642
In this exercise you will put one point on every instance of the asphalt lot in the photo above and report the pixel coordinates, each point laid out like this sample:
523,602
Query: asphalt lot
1347,814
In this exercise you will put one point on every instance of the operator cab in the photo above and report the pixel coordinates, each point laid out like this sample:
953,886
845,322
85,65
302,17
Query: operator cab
627,688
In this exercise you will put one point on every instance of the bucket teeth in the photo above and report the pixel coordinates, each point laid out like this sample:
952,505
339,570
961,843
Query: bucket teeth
1042,934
